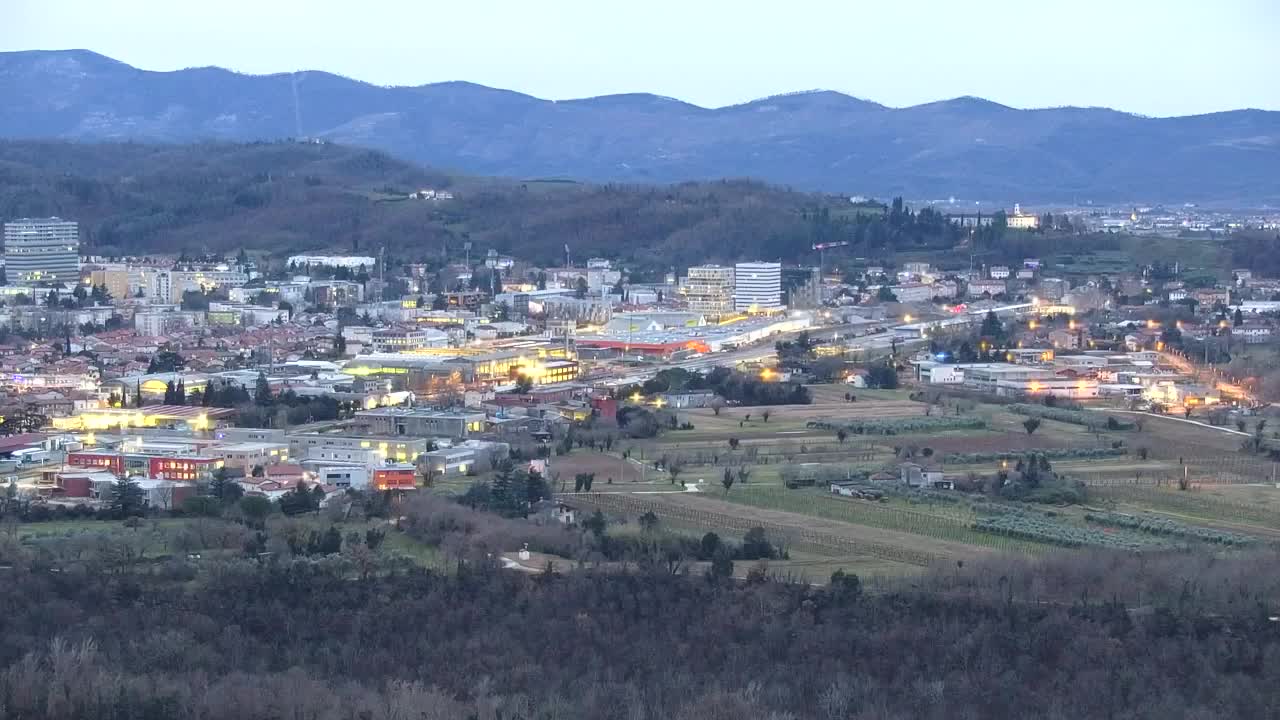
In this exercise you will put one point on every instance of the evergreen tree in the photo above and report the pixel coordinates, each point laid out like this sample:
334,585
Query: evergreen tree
180,393
137,395
125,499
262,391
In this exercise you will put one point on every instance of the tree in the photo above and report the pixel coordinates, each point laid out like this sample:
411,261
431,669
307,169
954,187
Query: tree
262,391
596,524
523,384
648,522
580,288
1031,424
727,481
882,376
126,498
299,500
766,415
717,404
885,294
674,468
1238,319
256,509
992,327
842,435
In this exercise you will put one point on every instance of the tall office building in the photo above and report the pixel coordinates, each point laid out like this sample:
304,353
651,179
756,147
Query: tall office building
708,289
758,286
39,250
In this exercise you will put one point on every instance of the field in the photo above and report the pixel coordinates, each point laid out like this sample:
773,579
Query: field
1135,472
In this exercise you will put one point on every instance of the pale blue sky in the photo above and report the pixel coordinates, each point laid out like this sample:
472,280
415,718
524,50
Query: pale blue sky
1157,57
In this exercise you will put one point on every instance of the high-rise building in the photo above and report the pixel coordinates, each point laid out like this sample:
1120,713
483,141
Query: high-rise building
708,289
802,286
758,286
40,250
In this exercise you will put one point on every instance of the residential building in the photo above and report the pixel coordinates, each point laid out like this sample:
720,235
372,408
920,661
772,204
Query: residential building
912,292
168,286
978,288
1253,333
115,280
350,262
42,250
999,272
757,286
708,289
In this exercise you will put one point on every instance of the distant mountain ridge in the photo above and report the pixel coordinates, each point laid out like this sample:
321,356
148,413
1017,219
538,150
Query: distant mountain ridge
965,147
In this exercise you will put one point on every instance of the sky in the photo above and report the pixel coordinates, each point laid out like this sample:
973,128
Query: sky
1154,57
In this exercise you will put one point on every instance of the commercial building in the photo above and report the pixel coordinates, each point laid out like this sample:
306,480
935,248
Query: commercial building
803,286
363,449
394,340
757,286
708,289
42,250
422,422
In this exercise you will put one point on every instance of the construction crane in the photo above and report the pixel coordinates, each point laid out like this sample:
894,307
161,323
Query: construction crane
822,248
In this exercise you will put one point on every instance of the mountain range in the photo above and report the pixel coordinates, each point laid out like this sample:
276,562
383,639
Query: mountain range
967,148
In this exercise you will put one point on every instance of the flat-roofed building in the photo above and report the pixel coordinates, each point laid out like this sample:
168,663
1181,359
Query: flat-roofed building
757,286
42,250
708,289
422,422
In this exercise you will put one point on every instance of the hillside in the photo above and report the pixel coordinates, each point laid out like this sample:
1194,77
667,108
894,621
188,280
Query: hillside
287,197
966,147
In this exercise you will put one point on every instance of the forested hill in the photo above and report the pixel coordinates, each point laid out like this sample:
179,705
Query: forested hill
285,197
965,147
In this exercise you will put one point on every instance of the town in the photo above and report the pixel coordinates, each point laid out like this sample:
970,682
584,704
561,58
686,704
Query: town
337,372
619,361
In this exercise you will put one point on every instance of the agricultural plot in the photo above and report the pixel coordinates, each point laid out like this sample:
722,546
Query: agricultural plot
1037,528
1085,418
1196,504
563,468
1157,525
951,524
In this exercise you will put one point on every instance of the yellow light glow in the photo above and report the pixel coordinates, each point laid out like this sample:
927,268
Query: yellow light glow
768,375
906,318
635,397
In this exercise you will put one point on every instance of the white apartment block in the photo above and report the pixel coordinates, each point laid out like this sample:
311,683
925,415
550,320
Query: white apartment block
39,250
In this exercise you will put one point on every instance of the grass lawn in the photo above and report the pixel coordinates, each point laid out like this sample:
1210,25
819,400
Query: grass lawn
943,522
